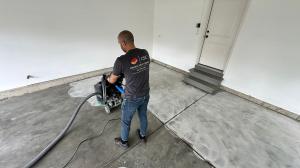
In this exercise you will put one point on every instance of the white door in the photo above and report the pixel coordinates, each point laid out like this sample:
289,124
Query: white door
222,28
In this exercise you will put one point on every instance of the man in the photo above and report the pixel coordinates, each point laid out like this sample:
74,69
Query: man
134,65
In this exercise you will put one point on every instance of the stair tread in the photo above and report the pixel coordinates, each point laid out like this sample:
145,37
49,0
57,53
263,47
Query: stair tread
210,70
215,80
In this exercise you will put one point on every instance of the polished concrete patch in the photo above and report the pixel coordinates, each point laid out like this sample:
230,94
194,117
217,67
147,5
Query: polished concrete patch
83,88
232,132
169,95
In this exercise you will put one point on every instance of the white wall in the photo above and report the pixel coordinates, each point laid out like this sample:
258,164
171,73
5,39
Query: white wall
54,38
57,38
265,61
176,41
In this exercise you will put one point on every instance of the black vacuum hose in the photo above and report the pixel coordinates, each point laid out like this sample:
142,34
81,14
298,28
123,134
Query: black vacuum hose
60,136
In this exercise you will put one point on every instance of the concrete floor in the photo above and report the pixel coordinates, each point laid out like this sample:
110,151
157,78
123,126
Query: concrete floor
29,122
224,129
233,133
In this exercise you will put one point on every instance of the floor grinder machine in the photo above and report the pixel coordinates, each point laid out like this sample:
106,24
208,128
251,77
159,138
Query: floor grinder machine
110,95
107,94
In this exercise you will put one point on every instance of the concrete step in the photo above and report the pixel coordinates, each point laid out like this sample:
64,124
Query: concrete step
209,70
206,87
214,80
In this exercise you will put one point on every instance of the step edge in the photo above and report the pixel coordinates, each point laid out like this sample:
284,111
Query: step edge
209,67
209,71
203,87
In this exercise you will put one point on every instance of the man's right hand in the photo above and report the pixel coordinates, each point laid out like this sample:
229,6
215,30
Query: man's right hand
112,78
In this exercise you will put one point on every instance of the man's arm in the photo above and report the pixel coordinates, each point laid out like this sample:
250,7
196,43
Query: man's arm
112,78
117,70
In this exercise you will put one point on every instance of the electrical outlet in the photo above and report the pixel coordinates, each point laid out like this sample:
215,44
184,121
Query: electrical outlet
29,76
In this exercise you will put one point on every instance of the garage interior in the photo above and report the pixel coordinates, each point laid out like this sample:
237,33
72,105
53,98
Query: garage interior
224,82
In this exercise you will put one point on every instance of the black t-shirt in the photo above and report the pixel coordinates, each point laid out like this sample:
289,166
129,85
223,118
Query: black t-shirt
135,67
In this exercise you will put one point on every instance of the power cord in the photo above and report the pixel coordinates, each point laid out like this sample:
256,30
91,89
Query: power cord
88,139
100,134
63,132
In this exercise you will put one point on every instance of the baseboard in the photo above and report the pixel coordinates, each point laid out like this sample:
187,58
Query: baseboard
56,82
170,67
263,103
45,85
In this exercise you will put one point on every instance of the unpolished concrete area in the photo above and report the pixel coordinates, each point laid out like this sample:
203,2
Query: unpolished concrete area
226,130
166,151
29,122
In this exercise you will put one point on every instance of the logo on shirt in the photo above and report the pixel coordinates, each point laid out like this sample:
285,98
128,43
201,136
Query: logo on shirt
133,60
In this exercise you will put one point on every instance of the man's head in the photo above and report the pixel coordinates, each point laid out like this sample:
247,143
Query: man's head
126,40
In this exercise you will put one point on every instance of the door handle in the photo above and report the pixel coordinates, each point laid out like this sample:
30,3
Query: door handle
206,36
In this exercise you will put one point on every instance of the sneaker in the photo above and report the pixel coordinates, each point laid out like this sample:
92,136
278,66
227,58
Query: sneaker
121,143
142,138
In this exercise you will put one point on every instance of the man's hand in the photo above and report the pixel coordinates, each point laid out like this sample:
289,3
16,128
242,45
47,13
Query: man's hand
112,78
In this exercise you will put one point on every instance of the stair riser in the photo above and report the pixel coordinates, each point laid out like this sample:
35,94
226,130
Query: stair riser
199,85
206,78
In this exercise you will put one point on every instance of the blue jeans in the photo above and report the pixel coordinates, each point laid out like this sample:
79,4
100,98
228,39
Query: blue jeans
129,107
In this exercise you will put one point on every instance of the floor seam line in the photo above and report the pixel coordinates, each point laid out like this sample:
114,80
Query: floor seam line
185,109
190,146
163,124
134,145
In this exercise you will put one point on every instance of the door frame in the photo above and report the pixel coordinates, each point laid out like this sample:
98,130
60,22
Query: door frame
241,21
